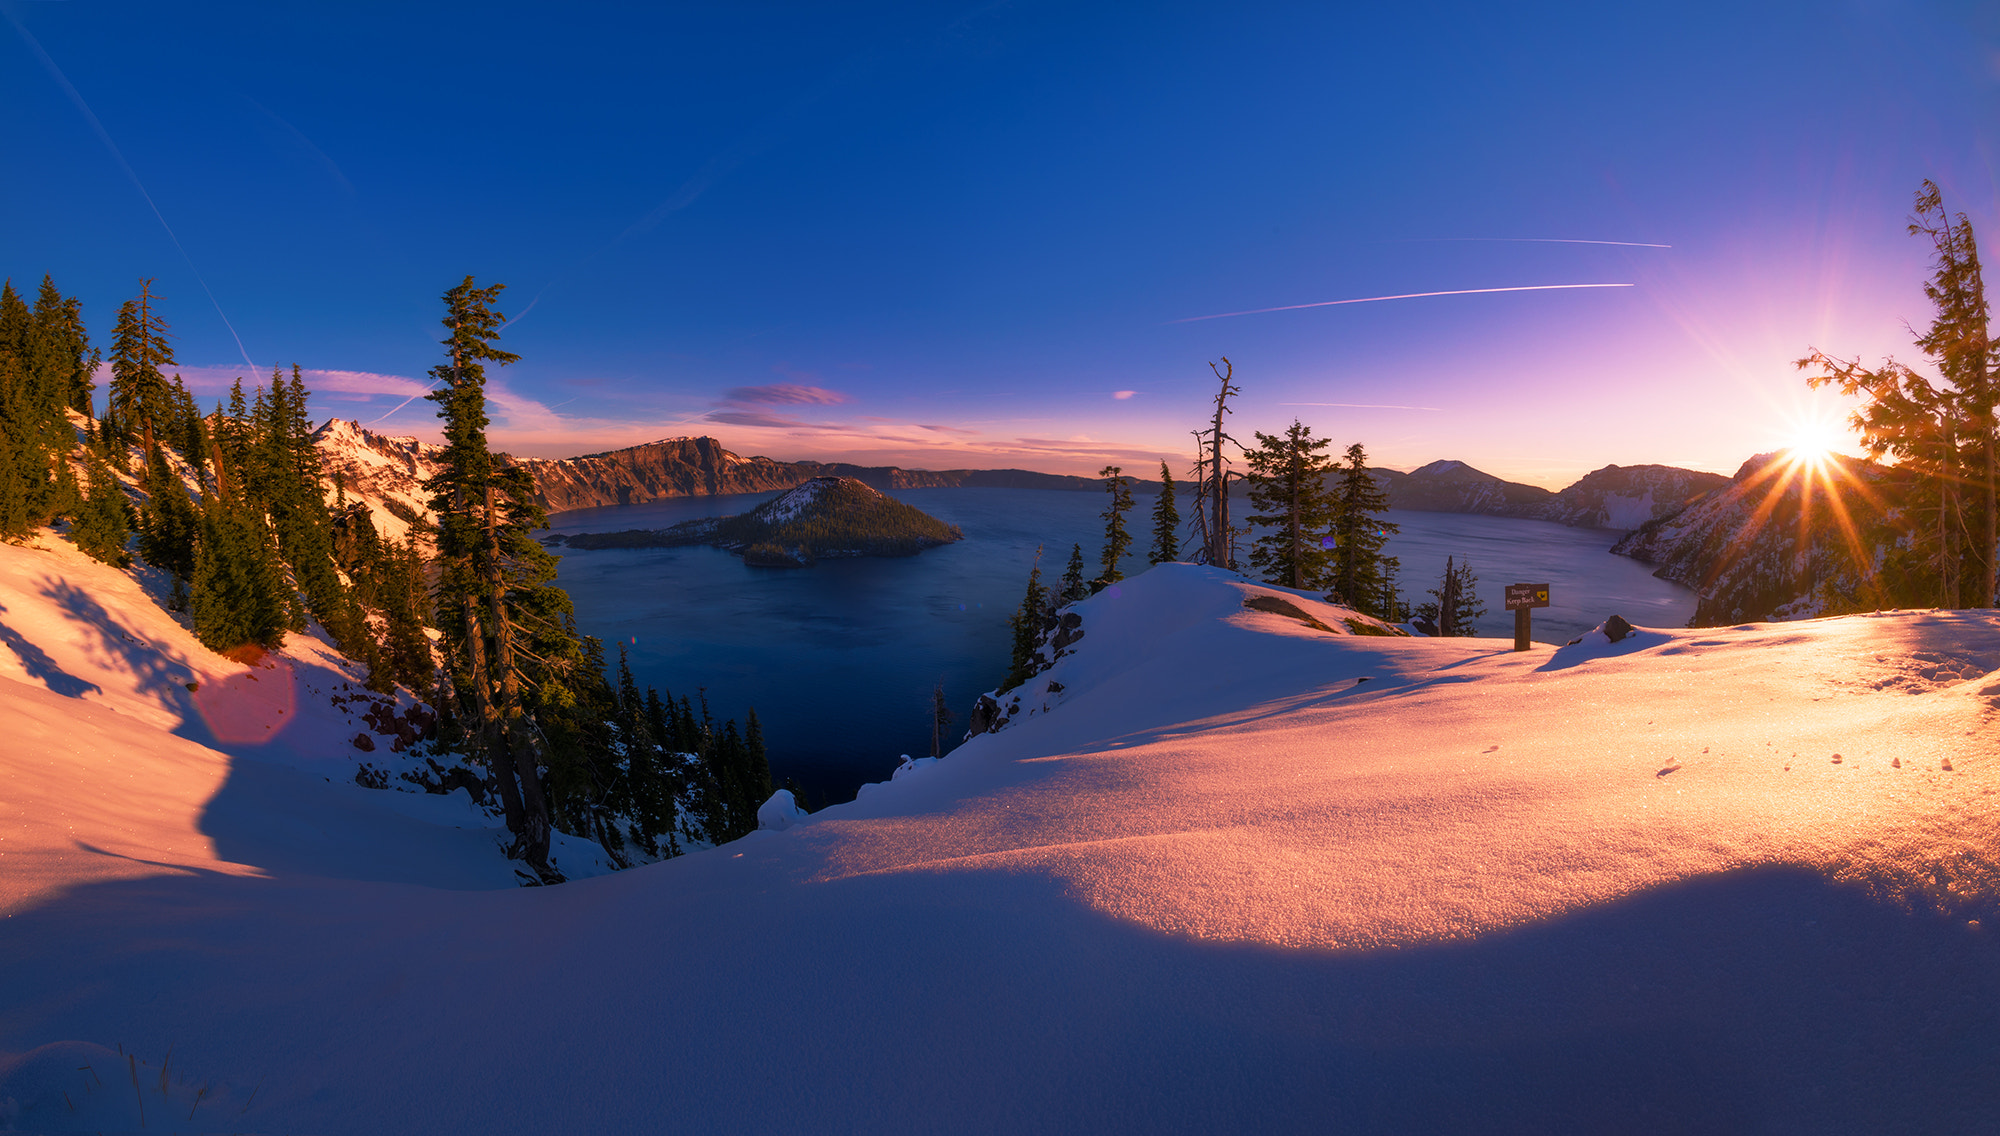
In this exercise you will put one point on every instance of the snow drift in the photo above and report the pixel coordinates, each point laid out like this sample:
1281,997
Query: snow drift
1226,870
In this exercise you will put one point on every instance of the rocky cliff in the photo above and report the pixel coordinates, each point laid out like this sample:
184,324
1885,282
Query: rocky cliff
1777,541
1626,497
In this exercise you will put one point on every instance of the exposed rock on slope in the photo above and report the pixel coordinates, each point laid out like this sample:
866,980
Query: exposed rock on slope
1626,497
1615,497
1755,551
1454,487
823,517
386,473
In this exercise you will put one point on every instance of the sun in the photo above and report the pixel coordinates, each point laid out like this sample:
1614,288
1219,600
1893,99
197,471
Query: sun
1811,441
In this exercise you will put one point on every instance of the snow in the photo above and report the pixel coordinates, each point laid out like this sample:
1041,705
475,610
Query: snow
792,502
1218,883
1622,512
781,812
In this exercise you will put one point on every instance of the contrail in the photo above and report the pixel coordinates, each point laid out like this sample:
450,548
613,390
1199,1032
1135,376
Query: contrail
105,136
405,402
1402,296
1532,241
1363,405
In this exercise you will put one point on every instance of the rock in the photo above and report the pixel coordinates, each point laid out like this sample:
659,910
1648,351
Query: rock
985,714
1069,630
1616,628
364,743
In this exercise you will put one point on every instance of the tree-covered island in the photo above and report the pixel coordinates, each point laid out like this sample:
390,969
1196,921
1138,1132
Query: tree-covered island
820,518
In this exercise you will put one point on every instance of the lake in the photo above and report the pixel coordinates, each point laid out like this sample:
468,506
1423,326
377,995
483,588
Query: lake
840,659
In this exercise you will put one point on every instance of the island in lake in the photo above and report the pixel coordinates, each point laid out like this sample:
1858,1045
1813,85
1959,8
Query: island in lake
819,518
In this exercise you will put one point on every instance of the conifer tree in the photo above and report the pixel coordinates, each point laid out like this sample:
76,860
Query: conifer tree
483,523
1028,623
13,493
1359,567
102,523
1074,587
1288,481
1116,538
169,524
141,402
1454,605
239,599
1166,521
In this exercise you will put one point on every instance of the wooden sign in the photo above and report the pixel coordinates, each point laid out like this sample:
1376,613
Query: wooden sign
1521,599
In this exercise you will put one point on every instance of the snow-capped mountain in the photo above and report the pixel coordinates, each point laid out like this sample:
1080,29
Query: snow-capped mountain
1626,497
1754,550
1615,497
384,472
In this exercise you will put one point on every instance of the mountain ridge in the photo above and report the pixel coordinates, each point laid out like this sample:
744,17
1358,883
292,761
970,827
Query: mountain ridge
389,470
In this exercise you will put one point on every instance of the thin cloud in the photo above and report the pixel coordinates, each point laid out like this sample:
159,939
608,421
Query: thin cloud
1363,405
1530,241
760,419
1399,296
782,394
1122,395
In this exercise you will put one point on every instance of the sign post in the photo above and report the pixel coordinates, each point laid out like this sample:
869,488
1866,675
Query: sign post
1521,599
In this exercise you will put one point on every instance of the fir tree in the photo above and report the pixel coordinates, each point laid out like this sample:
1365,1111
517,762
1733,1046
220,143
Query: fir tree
169,523
1116,539
1359,567
1028,624
141,402
102,523
238,598
1454,606
1288,481
1166,521
1074,586
13,493
492,572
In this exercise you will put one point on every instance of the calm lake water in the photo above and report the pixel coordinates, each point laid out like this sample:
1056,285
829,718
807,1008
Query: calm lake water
840,659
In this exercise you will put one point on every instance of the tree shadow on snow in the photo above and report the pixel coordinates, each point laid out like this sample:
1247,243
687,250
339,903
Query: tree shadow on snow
685,998
41,667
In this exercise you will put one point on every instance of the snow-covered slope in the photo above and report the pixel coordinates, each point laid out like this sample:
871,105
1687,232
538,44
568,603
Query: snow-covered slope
1778,541
387,473
1235,874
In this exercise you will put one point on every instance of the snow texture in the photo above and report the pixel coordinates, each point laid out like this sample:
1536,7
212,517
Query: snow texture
1218,884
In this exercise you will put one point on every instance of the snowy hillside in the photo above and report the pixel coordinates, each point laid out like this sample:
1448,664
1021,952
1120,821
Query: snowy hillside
1234,872
387,473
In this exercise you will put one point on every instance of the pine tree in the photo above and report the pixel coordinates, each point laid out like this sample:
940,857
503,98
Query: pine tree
1288,481
1360,570
141,398
1116,539
483,519
1166,521
239,599
1074,587
1454,607
13,493
169,523
1028,624
102,523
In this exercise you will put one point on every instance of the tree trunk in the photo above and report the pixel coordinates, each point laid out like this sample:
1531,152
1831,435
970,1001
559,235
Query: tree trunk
509,717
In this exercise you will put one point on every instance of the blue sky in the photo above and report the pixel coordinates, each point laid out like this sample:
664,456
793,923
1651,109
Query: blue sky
955,235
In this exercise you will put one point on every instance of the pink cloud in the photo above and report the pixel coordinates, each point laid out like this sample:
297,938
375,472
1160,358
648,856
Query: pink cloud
782,394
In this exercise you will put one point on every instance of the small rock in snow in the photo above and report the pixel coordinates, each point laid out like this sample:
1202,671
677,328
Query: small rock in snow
1945,765
1836,759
